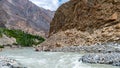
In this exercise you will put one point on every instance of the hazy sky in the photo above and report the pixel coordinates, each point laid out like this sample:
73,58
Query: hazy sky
49,4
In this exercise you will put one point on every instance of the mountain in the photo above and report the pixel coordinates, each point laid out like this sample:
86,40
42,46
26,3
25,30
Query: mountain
26,16
84,22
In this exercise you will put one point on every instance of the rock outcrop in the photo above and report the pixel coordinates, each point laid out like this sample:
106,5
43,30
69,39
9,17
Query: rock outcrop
86,15
24,15
4,40
84,22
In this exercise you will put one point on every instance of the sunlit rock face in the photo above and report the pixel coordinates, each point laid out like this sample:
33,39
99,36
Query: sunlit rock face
24,15
85,15
84,22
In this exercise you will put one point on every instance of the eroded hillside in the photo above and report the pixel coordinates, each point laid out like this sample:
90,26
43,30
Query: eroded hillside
84,22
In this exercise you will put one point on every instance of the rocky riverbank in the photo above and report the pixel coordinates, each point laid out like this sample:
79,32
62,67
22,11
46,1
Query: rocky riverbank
9,63
104,54
97,48
101,58
99,53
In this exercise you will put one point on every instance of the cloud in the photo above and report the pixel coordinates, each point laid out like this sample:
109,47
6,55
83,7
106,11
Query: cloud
49,4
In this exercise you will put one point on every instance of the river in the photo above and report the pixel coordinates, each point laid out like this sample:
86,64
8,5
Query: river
31,59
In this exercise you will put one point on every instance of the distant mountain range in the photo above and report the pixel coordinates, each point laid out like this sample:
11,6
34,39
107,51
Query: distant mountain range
24,15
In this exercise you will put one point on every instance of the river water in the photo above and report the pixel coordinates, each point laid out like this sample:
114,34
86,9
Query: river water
31,59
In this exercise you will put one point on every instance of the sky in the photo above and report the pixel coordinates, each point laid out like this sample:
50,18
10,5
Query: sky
49,4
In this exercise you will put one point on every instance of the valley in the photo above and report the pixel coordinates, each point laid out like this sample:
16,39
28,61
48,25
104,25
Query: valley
79,34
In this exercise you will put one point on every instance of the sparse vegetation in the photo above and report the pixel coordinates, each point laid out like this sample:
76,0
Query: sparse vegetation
1,46
22,38
0,34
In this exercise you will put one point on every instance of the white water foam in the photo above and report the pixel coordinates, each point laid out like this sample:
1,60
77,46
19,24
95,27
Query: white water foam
31,59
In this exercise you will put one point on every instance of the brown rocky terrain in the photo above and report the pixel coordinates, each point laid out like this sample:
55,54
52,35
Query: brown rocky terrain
84,22
24,15
4,40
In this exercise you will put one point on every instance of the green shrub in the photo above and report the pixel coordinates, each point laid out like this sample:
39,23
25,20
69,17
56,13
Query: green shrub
1,46
0,33
15,44
22,38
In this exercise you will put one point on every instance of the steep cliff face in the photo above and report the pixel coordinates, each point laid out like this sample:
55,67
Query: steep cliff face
86,15
84,22
26,16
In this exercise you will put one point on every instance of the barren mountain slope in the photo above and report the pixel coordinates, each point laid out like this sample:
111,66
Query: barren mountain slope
26,16
84,22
